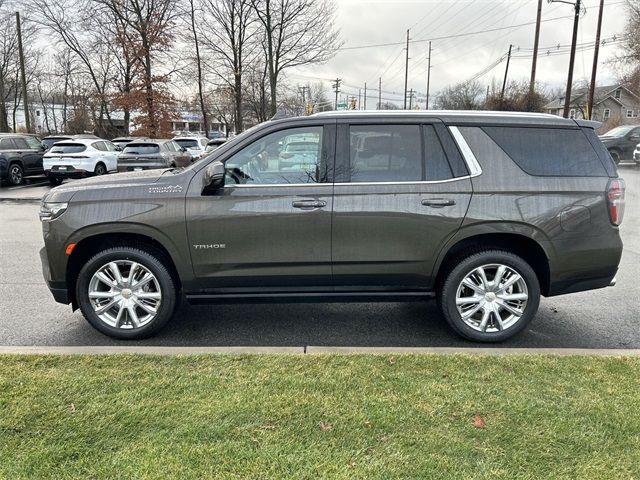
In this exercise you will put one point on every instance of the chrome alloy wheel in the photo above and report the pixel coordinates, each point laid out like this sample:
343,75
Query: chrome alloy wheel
492,298
125,294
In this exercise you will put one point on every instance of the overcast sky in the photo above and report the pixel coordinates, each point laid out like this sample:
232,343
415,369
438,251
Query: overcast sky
457,59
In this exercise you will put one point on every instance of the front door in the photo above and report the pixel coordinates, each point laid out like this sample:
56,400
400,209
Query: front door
269,227
398,198
29,148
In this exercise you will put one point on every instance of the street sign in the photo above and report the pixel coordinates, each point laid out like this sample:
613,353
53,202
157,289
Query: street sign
341,106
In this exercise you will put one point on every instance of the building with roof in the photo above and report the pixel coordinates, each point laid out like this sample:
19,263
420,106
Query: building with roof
613,105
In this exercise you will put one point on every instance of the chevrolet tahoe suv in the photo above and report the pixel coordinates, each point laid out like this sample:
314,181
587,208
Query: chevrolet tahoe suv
485,211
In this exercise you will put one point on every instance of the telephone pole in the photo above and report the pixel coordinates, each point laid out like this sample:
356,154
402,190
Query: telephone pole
429,75
336,88
536,43
406,73
572,59
23,74
594,71
365,95
359,98
411,99
380,93
506,72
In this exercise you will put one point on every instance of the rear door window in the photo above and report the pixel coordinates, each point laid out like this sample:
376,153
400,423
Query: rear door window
385,153
556,152
21,143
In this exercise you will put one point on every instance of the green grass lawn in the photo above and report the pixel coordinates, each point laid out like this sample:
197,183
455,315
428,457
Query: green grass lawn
333,416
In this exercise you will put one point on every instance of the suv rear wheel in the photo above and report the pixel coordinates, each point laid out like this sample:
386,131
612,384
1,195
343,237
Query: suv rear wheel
15,175
126,293
490,296
55,181
100,169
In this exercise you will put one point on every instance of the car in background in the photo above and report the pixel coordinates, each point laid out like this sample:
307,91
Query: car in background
51,140
621,142
299,153
122,142
20,157
196,146
78,158
215,143
150,154
216,134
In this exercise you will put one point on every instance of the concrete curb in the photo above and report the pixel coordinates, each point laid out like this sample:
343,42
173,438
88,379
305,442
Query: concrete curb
152,350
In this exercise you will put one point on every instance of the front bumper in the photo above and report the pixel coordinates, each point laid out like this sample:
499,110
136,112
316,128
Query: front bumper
60,292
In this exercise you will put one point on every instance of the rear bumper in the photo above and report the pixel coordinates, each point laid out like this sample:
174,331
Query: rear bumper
70,172
144,166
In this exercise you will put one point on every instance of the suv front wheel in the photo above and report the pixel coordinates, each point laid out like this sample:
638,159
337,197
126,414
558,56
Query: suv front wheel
490,296
126,293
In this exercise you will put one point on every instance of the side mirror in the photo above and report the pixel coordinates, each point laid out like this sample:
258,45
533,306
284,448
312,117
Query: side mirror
213,178
118,149
43,147
634,137
182,149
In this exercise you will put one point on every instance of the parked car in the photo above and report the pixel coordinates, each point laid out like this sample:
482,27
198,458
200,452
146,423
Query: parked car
150,154
485,211
215,143
20,157
122,142
53,139
196,146
216,134
621,142
79,158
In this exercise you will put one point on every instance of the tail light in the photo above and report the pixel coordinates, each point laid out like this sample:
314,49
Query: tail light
615,200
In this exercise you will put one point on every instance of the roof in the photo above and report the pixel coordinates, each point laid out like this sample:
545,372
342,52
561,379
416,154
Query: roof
189,137
454,116
600,94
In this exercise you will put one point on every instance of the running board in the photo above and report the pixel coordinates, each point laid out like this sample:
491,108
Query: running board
309,297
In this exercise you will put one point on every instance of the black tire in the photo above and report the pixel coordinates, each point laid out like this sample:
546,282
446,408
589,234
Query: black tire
15,174
461,268
55,181
151,260
100,169
615,155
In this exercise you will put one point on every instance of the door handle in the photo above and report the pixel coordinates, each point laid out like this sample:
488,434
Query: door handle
438,202
309,204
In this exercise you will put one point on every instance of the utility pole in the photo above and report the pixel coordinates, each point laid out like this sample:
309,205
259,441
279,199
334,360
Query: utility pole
406,73
429,76
304,98
380,93
536,43
23,74
411,99
506,72
336,88
594,71
365,95
572,59
359,98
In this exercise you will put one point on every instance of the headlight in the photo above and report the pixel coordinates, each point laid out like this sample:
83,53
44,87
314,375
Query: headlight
50,210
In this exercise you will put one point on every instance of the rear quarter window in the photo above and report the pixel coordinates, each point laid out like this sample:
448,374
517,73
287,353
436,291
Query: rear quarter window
550,152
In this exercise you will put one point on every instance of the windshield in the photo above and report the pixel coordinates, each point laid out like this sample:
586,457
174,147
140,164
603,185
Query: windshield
188,143
618,131
141,149
63,147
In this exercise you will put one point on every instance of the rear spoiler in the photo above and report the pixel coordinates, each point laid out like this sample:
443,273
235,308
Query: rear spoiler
589,124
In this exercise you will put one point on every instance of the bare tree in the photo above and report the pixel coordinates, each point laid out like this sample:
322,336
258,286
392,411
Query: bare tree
463,96
257,91
295,33
194,12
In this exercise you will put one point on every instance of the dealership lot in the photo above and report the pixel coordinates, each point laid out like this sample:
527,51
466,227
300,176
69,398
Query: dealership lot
606,318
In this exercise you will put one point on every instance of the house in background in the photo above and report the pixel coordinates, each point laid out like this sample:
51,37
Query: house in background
613,105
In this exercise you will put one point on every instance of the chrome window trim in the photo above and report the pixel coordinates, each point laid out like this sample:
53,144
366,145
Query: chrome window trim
338,184
469,158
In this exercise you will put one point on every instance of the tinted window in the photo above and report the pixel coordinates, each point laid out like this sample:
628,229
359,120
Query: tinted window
7,144
549,151
436,164
110,146
33,143
64,147
188,143
141,148
267,161
385,153
48,142
99,146
21,143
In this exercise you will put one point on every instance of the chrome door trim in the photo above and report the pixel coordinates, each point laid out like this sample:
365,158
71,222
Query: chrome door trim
470,159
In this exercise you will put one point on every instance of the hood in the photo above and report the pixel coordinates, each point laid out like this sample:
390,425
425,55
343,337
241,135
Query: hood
65,192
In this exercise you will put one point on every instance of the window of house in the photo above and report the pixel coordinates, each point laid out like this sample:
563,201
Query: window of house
607,114
617,94
572,113
629,113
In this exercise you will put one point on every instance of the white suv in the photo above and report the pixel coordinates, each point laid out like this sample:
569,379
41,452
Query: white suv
196,146
80,158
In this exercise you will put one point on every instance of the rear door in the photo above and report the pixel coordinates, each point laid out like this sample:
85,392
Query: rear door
31,157
269,227
402,189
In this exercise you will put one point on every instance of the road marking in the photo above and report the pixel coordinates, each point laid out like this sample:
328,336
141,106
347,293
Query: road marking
311,350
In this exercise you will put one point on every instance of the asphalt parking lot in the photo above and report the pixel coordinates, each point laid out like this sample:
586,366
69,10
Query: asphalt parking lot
608,318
